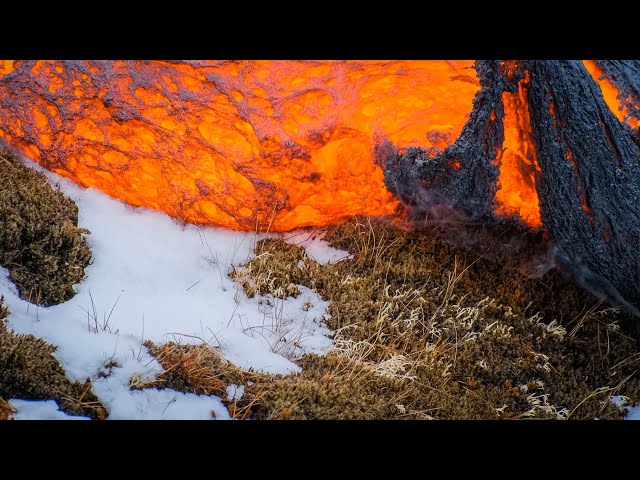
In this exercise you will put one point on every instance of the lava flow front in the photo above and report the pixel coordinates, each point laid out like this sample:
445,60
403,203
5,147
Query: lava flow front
240,144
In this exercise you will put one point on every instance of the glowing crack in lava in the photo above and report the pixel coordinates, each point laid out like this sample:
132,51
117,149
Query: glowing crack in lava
616,102
517,160
240,144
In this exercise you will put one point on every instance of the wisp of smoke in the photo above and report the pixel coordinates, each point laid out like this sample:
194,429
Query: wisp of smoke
596,284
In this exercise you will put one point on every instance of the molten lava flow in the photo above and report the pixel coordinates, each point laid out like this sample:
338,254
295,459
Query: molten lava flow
612,95
241,144
517,160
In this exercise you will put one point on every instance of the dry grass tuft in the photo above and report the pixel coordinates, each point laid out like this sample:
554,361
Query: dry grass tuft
40,242
268,271
200,369
187,368
6,410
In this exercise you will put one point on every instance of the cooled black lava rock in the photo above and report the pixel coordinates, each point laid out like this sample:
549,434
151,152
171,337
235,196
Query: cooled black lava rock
588,181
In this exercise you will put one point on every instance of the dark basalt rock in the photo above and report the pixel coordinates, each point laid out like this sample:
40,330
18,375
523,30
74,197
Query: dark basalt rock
589,178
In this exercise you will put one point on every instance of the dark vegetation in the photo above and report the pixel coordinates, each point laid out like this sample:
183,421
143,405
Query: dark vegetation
40,242
46,254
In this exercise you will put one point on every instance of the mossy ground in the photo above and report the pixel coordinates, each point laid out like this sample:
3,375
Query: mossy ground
46,254
40,242
425,329
28,370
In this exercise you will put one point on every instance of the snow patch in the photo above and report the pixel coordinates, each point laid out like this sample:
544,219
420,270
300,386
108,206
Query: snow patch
633,413
40,410
235,392
316,247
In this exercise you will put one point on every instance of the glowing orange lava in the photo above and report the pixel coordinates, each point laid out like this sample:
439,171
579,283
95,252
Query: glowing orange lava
611,94
240,144
517,160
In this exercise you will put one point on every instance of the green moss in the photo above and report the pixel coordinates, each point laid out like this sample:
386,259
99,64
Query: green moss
40,242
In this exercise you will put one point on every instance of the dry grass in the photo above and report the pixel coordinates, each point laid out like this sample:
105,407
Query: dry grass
186,368
428,330
268,272
40,242
199,369
6,410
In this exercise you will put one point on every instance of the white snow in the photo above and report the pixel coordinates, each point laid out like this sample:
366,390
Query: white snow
155,279
40,410
235,392
618,400
152,404
633,413
315,246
